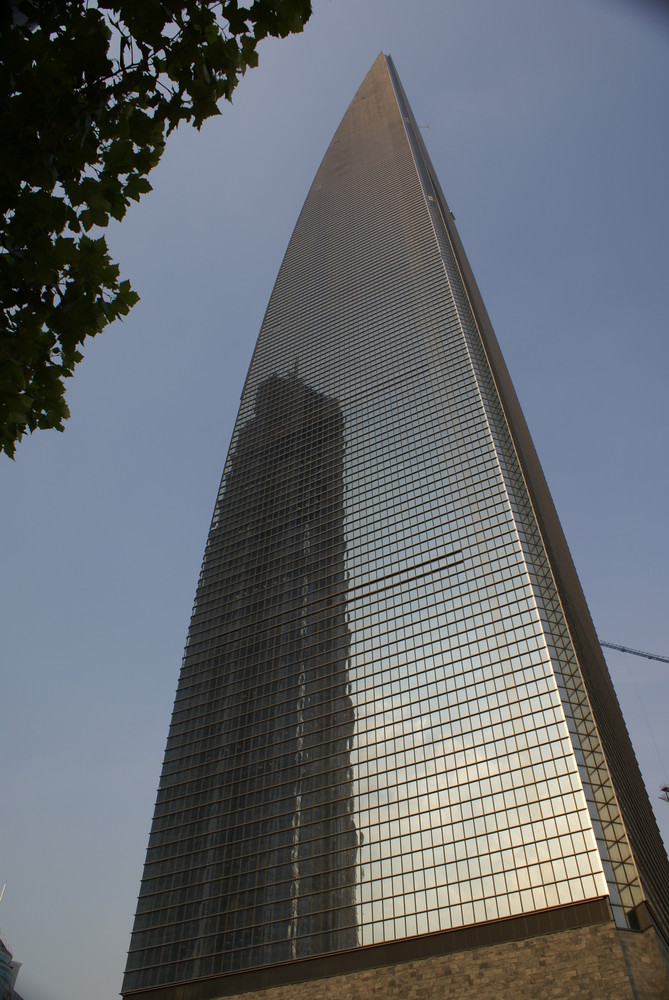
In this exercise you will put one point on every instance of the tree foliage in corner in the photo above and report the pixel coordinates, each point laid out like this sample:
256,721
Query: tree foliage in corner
89,92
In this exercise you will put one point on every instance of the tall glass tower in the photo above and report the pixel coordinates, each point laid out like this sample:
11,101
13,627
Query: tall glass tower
395,743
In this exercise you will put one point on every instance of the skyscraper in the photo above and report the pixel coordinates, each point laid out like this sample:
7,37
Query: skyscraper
395,745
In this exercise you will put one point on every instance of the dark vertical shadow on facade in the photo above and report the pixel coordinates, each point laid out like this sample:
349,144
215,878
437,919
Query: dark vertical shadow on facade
290,835
256,791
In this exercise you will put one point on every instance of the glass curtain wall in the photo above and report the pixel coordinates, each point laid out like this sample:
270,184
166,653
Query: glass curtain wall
374,735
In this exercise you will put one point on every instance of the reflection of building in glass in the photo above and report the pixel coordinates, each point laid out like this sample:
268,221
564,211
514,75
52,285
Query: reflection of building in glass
395,741
253,850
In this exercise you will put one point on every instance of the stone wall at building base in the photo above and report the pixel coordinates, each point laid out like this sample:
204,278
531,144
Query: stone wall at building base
586,963
648,963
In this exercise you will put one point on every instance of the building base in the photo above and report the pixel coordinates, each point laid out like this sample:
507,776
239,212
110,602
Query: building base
573,953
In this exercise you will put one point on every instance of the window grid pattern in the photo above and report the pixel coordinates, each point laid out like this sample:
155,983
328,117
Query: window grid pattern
622,875
369,738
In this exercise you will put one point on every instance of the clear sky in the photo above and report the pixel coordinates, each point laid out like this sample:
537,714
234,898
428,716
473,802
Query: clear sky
548,125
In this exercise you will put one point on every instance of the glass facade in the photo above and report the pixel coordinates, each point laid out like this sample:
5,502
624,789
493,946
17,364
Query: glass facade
382,727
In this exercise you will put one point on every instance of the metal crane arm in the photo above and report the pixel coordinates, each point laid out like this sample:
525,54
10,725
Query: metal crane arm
635,652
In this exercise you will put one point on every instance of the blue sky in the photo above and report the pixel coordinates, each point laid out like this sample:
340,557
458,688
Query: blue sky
547,123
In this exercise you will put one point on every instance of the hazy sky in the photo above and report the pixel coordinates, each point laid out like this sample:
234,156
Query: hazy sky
547,122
